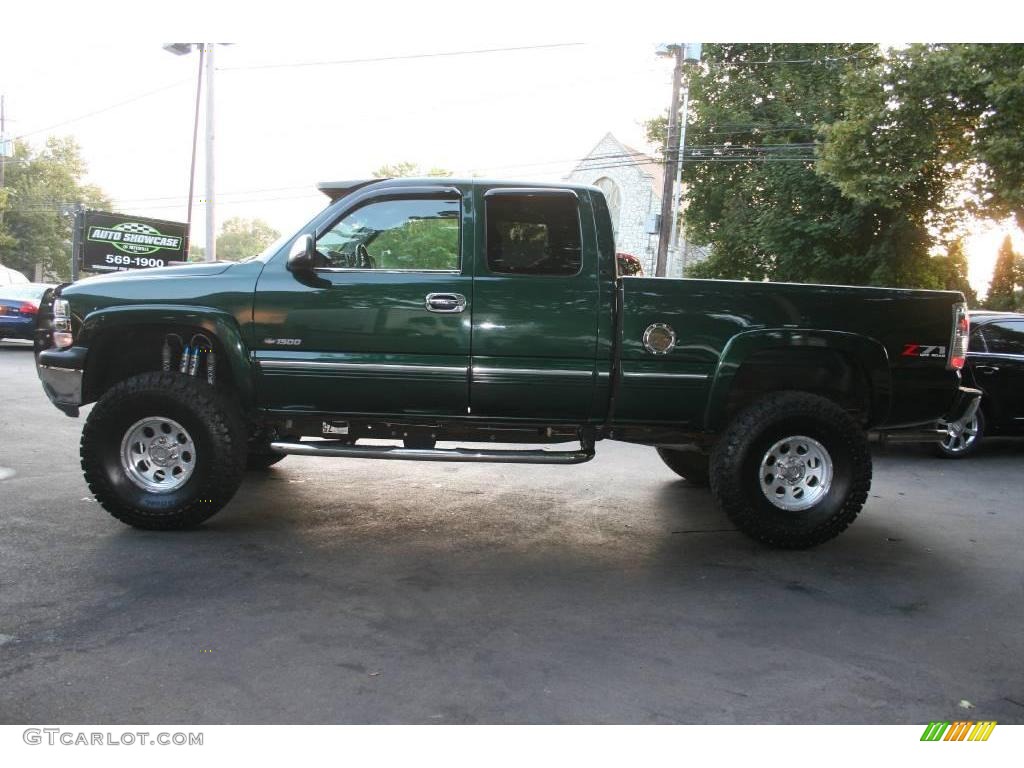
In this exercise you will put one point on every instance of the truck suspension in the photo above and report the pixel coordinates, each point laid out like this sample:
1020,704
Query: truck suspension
199,350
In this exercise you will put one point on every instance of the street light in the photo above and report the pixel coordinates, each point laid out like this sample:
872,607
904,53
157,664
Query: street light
674,146
183,49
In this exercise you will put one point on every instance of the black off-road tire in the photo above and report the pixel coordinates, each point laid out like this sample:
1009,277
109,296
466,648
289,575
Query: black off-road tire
215,425
736,469
692,466
260,460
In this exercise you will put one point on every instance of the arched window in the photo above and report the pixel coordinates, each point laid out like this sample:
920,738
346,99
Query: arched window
614,198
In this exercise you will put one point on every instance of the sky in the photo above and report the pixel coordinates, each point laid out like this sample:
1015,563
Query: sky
298,103
528,114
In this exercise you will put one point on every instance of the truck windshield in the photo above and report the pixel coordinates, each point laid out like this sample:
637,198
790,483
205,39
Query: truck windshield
271,249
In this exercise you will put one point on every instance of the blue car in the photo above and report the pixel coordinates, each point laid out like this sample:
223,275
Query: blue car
18,307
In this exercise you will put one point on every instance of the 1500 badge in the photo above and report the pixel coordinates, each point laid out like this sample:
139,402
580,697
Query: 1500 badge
284,342
923,350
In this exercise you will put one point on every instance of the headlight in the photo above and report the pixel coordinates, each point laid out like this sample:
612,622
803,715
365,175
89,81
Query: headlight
62,335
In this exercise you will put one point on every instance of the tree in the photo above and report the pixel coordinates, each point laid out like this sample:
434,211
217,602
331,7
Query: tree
952,269
753,192
1001,291
935,124
406,169
41,190
241,238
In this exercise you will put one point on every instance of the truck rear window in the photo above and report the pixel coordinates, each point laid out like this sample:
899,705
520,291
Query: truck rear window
533,235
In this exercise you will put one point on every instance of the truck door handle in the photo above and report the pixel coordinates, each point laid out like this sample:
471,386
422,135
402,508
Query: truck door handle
445,302
987,369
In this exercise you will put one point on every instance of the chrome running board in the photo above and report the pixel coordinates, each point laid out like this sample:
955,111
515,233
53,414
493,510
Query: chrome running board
336,448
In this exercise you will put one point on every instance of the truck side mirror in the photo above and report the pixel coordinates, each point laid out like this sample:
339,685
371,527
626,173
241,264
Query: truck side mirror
302,256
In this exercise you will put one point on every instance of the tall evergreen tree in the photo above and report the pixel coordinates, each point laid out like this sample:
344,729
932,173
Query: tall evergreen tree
1001,289
953,272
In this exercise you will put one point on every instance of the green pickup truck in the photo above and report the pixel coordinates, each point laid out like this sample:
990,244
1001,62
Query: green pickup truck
490,315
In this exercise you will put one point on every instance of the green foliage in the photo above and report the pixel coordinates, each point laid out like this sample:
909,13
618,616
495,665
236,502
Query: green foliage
753,193
844,164
430,243
406,169
952,271
934,126
42,187
1005,277
241,238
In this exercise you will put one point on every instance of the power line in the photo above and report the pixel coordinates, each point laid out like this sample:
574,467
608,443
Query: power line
720,153
405,57
103,109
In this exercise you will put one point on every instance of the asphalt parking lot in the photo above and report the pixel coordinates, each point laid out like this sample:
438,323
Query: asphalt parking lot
349,591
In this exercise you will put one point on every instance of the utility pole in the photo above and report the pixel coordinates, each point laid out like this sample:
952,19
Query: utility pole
211,228
679,178
183,49
3,146
670,155
675,143
195,140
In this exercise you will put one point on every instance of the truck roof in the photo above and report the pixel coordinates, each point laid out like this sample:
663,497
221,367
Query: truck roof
338,189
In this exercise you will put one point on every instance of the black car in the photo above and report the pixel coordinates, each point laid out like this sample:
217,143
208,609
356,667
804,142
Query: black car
995,362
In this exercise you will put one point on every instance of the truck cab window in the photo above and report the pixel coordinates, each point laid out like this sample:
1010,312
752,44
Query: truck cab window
533,235
419,234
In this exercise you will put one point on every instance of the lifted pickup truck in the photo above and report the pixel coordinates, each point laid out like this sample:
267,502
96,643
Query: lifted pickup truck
487,312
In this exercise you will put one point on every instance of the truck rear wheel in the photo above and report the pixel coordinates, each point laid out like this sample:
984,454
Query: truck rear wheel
692,466
792,470
163,451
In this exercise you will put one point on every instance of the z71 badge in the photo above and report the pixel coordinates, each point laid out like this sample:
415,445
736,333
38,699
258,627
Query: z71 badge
923,350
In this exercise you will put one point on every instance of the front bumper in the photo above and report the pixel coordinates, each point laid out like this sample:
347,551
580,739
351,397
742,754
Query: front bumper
61,371
965,405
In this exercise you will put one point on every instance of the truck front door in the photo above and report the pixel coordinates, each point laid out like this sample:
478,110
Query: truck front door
381,326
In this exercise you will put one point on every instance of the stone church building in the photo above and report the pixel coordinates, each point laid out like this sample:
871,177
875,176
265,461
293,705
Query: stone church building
632,183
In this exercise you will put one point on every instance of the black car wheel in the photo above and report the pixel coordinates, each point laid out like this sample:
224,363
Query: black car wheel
961,441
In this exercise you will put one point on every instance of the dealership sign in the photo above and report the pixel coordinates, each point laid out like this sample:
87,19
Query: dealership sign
111,242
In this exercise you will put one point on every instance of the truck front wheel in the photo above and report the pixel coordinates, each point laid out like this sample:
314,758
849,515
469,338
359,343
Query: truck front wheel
692,466
163,451
792,470
259,460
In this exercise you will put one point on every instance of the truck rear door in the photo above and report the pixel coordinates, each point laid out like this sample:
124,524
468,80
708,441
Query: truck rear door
535,305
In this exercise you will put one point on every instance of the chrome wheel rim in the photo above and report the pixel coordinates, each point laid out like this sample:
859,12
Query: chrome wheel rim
796,473
158,454
960,438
